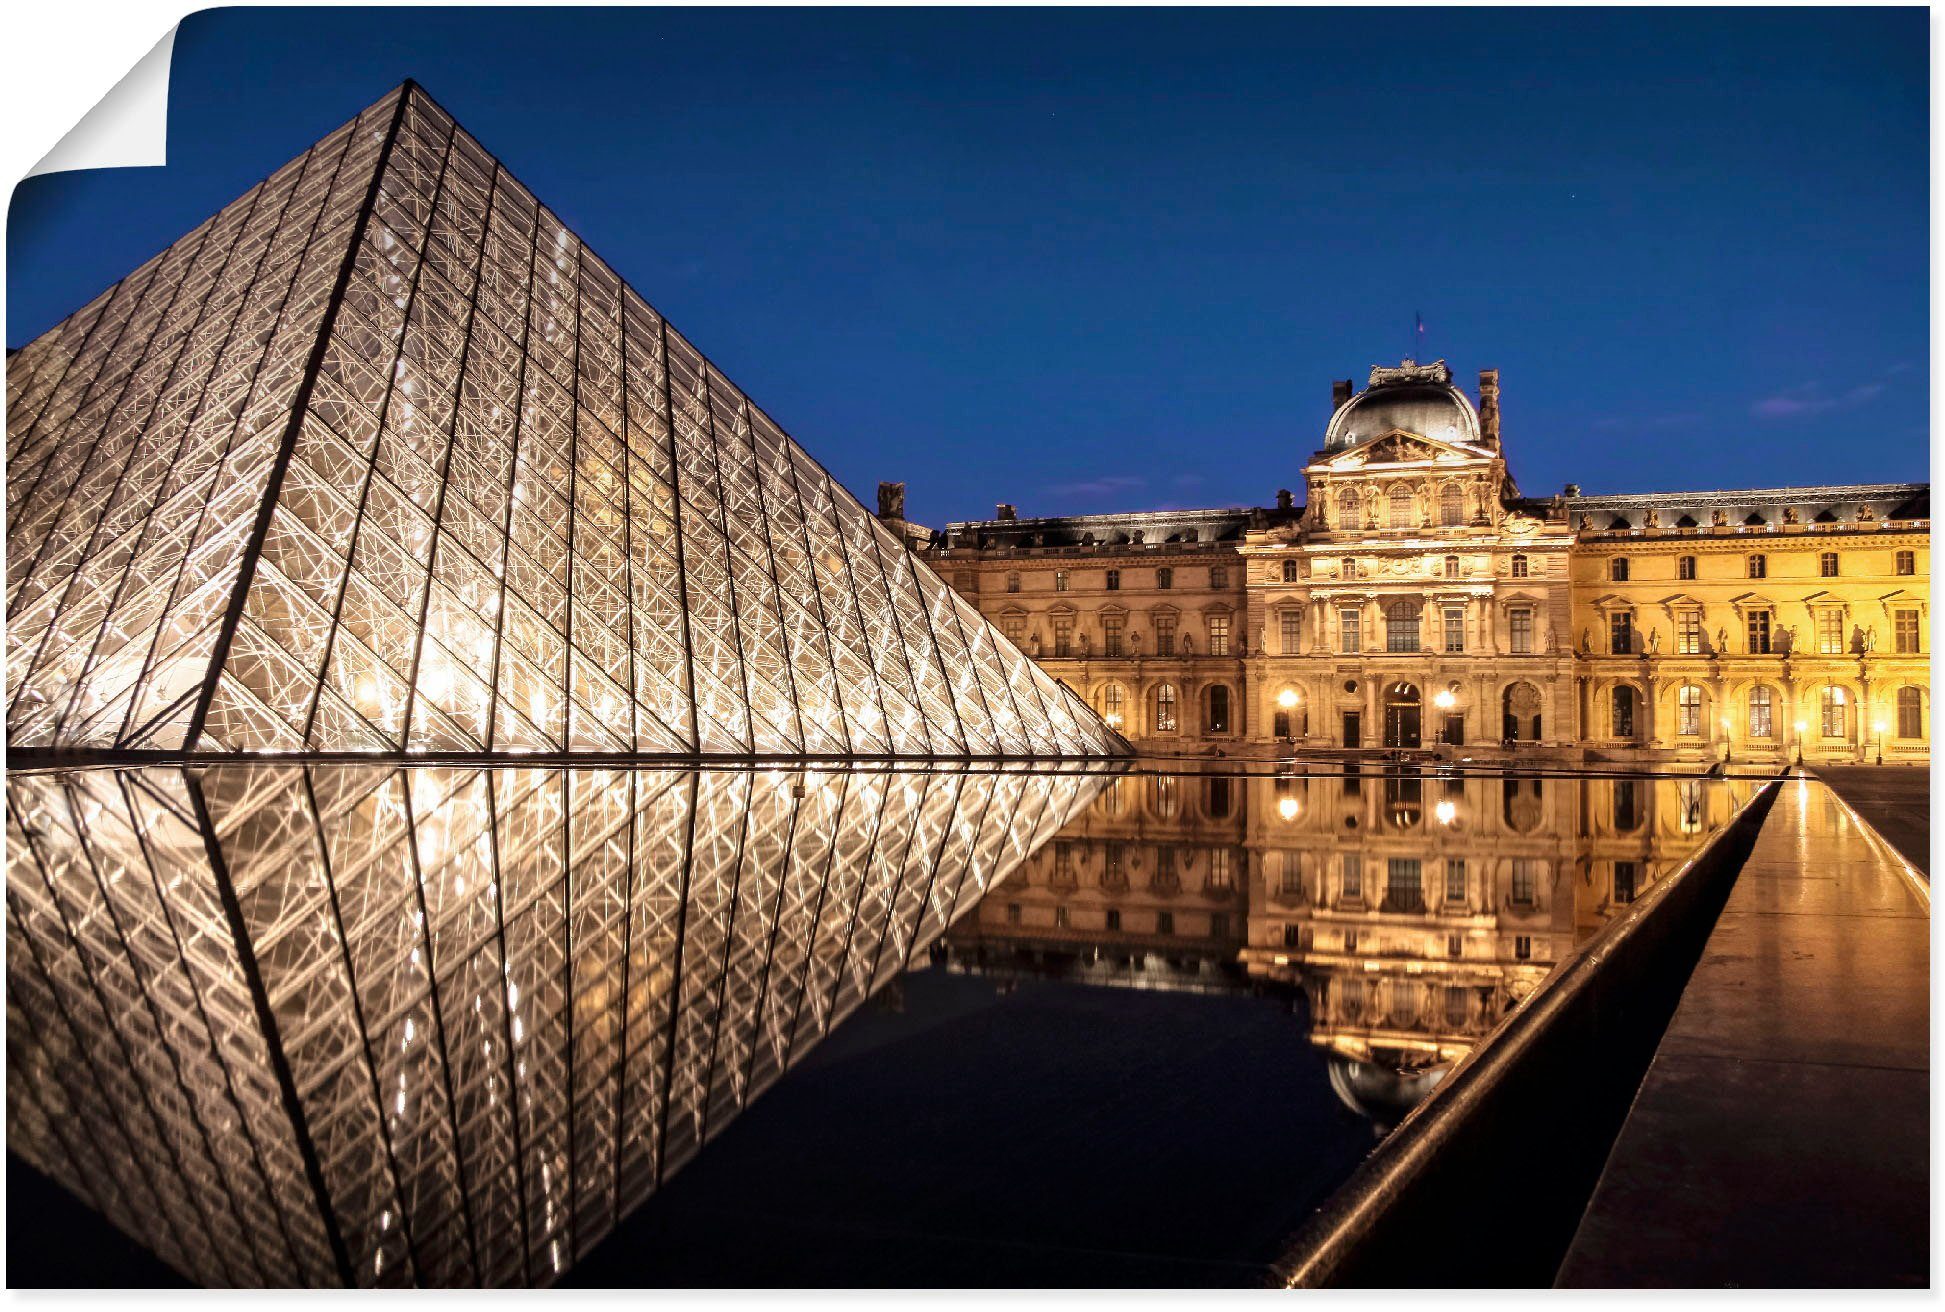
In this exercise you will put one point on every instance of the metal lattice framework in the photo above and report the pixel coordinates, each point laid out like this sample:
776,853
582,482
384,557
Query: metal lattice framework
290,1024
382,458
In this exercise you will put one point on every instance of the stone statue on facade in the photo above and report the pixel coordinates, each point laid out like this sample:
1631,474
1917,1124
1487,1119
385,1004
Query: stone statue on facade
891,501
1652,520
1654,642
1789,514
1721,640
1188,644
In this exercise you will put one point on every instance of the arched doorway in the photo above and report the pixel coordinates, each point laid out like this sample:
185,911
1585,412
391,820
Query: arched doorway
1521,707
1402,715
1624,699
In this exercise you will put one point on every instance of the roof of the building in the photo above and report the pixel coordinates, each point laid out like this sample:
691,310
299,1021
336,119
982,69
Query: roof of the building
1418,398
1887,501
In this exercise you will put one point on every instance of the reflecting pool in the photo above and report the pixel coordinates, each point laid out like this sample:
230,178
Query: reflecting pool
308,1024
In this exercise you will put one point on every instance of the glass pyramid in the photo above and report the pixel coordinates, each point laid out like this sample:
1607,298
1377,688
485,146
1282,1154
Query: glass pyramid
372,1024
383,458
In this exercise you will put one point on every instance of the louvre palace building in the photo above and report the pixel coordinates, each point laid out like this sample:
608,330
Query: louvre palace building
1415,599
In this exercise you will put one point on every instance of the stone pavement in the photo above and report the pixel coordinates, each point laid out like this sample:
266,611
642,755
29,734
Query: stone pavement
1780,1137
1895,799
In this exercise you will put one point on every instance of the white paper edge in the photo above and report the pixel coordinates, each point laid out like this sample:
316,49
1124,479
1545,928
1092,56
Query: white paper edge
128,127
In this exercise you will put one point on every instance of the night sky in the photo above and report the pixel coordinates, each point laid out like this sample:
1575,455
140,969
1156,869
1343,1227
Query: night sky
1108,260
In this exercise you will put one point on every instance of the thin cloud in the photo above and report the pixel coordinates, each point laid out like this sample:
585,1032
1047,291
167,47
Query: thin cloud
1098,487
1814,398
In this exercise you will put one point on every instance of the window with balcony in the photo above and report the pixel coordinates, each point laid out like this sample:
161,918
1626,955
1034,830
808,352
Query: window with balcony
1830,631
1164,635
1759,632
1688,633
1401,626
1762,713
1519,631
1905,632
1835,704
1063,635
1911,713
1620,633
1688,711
1113,634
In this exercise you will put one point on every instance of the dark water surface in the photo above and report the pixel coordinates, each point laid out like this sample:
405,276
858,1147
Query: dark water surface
292,1024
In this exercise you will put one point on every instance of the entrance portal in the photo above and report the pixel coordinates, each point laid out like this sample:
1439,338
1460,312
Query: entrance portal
1353,729
1401,715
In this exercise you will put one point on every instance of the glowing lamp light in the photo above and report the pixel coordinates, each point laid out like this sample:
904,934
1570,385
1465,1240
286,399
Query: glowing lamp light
1879,726
1287,808
1801,726
1114,721
1446,812
1445,701
1287,698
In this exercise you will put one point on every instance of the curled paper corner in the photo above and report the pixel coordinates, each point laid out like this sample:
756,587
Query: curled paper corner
128,127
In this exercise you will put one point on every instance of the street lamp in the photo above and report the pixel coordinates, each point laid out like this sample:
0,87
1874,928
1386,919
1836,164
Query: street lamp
1801,729
1728,747
1878,725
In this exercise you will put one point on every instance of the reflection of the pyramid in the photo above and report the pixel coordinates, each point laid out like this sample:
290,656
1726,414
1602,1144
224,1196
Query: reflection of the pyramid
310,1024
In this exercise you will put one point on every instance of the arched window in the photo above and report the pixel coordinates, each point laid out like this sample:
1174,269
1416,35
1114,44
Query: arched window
1451,505
1398,503
1623,712
1113,701
1688,711
1289,571
1836,713
1762,713
1346,508
1215,717
1401,626
1911,713
1165,721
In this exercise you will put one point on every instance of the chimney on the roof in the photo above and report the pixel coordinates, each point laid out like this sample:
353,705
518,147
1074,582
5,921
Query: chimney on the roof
1489,406
1340,392
1005,511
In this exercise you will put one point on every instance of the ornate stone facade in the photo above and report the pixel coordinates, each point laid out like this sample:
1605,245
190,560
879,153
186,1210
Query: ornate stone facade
1417,601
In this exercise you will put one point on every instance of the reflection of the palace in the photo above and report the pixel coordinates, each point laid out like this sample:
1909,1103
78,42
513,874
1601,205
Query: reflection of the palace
1413,910
291,1024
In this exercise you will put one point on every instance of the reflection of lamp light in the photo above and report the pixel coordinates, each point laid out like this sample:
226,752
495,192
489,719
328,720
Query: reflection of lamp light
1287,808
1446,812
1445,701
1114,721
1287,698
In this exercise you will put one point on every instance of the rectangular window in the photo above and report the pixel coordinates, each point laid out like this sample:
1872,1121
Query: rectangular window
1114,580
1626,873
1905,632
1164,635
1012,582
1526,880
1219,925
1519,631
1015,628
1401,627
1112,627
1617,569
1522,948
1830,632
1827,564
1684,567
1222,871
1114,920
1455,879
1451,567
1620,633
1218,635
1353,883
1062,918
1063,635
1404,889
1455,628
1218,576
965,581
1164,922
1758,567
1350,636
1060,580
1688,632
1289,630
1911,713
1759,622
1907,562
1519,567
1164,578
1762,722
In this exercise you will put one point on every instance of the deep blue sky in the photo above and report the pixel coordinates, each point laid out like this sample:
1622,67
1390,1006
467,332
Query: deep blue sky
1097,259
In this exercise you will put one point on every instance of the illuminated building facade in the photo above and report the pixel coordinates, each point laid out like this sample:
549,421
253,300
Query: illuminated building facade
382,458
317,1024
1417,601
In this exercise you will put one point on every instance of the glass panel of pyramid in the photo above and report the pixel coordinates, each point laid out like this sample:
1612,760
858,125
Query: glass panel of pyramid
349,1023
383,458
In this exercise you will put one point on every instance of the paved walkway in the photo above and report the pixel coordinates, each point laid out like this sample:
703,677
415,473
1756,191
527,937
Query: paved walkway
1781,1135
1895,799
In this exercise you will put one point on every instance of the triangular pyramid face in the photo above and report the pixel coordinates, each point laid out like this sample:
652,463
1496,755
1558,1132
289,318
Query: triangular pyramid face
382,458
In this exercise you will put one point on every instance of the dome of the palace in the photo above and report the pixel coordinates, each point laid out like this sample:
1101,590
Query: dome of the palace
1417,398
